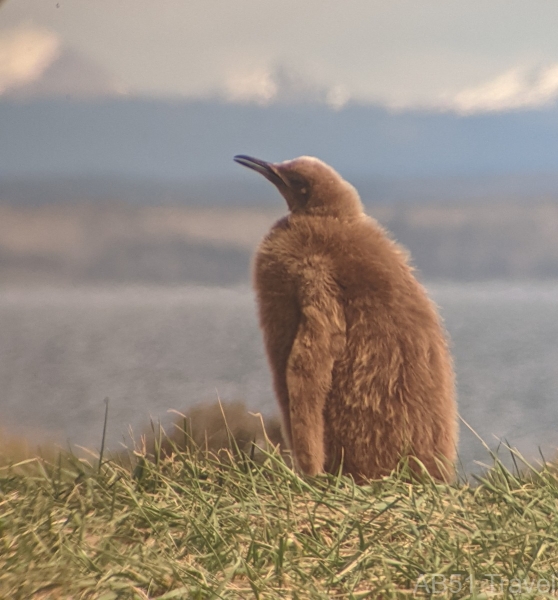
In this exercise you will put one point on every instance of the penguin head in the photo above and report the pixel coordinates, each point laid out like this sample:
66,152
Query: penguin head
309,186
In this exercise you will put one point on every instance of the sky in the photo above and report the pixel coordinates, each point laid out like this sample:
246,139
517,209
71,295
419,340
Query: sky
468,57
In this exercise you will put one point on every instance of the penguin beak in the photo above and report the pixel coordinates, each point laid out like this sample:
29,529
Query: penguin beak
268,170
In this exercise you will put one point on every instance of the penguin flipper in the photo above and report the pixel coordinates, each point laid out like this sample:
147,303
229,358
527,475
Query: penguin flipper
318,343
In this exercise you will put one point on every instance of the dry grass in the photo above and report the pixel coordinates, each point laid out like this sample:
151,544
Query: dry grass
211,427
16,446
191,524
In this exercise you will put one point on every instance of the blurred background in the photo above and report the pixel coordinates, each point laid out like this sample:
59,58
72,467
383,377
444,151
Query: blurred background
126,231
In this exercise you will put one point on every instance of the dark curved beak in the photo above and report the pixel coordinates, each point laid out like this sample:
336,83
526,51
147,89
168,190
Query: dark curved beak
268,170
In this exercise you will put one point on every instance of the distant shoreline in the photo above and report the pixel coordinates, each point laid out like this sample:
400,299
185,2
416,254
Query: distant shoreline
87,242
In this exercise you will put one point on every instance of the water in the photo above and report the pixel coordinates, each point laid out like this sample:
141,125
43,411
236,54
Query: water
62,351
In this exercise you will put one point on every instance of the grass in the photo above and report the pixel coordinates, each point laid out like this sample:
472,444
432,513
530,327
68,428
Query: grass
201,525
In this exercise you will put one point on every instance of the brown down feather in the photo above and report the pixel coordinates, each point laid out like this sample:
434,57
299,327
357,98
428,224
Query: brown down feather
359,357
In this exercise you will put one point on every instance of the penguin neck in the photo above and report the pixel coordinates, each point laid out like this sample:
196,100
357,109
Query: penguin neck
346,212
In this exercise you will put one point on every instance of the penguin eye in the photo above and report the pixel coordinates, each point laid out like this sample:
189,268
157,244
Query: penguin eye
301,186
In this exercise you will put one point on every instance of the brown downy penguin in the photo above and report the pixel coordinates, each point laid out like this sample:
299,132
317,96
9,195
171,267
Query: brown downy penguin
360,362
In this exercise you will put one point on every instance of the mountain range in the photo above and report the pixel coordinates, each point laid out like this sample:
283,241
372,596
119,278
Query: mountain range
181,151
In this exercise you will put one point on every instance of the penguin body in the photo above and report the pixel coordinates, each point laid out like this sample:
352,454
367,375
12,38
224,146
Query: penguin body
360,362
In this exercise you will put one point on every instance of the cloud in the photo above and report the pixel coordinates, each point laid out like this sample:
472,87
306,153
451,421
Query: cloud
281,85
25,53
515,89
256,86
518,88
71,75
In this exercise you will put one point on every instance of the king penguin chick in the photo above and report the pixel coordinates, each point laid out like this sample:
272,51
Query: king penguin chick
360,361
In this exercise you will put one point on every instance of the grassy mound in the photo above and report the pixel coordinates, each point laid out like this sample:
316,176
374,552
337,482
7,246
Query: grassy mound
221,525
